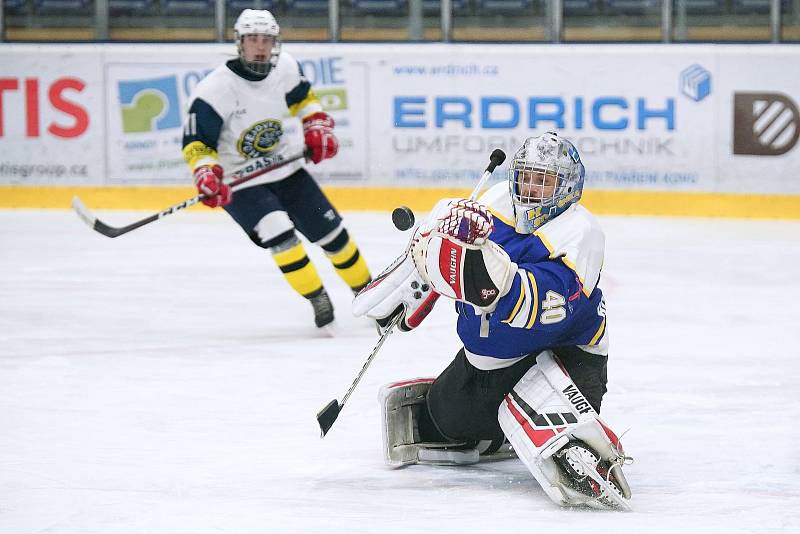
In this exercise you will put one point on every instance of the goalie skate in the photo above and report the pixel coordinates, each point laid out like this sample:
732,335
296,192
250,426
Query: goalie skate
584,472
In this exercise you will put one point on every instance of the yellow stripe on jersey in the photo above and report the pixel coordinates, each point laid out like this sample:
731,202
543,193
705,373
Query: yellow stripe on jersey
195,151
535,307
517,305
310,100
502,217
599,333
564,259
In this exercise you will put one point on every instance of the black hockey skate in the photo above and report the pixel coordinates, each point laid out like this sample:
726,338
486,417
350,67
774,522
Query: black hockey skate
587,474
323,308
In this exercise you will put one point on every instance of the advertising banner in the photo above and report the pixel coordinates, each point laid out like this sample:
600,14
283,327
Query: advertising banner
704,118
51,115
637,123
759,126
341,81
148,95
145,108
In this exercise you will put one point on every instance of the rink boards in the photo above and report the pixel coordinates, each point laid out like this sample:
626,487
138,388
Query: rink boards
662,129
659,203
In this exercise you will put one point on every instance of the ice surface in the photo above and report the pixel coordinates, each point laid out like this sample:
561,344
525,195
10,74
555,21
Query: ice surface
167,381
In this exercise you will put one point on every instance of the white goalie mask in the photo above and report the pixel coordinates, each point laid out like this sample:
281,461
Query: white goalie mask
258,22
544,179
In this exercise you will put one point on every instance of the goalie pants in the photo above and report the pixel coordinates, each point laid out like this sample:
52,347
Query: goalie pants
298,195
463,400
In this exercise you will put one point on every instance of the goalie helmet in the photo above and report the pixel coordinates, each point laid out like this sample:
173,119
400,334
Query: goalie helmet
258,22
544,179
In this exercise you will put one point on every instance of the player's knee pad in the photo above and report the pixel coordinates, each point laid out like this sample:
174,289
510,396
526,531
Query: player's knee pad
409,436
272,230
573,455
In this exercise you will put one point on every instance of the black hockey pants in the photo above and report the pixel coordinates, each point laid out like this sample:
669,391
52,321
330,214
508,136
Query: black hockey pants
464,400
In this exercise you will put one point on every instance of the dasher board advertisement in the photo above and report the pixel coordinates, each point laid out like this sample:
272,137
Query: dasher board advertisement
696,118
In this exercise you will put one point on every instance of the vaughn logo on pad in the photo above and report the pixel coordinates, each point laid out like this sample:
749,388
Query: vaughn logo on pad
764,124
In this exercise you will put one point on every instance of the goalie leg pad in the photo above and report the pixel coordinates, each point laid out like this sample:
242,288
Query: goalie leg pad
562,441
408,434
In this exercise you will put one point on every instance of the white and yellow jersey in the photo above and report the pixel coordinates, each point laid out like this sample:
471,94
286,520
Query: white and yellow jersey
243,122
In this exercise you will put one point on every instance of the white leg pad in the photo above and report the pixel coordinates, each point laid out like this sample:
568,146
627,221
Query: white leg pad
543,413
401,403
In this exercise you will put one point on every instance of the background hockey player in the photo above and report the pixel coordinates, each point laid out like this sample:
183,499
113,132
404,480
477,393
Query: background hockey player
523,265
236,118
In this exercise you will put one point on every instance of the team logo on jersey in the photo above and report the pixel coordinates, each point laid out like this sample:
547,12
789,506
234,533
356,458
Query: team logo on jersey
261,138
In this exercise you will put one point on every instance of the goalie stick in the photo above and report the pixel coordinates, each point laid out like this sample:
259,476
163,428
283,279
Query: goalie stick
328,414
112,231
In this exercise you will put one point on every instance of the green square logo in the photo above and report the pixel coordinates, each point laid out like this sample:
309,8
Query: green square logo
332,99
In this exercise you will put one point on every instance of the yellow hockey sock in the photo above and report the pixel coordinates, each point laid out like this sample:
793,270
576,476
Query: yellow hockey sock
350,266
298,270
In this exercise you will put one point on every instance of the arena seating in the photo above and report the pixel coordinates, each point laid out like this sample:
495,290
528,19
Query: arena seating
64,7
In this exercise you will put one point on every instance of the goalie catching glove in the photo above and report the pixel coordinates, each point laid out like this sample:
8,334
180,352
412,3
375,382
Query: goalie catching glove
457,259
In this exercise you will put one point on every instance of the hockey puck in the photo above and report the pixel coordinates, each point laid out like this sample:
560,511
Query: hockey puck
403,218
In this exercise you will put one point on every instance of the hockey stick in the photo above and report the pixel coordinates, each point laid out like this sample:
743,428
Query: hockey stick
403,219
112,231
496,158
327,416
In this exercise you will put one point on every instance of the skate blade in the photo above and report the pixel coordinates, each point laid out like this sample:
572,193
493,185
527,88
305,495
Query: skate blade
610,499
331,329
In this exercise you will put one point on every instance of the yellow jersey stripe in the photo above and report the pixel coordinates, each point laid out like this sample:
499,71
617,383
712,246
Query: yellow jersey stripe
599,333
503,218
564,259
517,306
311,98
535,307
195,151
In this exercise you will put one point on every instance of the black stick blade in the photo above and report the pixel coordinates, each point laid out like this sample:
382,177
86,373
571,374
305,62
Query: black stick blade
96,224
327,416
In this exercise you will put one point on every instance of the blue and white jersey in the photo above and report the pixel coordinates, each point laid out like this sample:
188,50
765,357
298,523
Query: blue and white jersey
554,300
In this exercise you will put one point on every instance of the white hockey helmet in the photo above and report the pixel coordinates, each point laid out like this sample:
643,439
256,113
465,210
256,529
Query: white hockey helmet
544,159
260,22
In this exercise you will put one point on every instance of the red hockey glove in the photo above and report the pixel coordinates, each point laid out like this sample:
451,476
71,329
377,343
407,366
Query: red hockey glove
318,129
208,179
467,221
